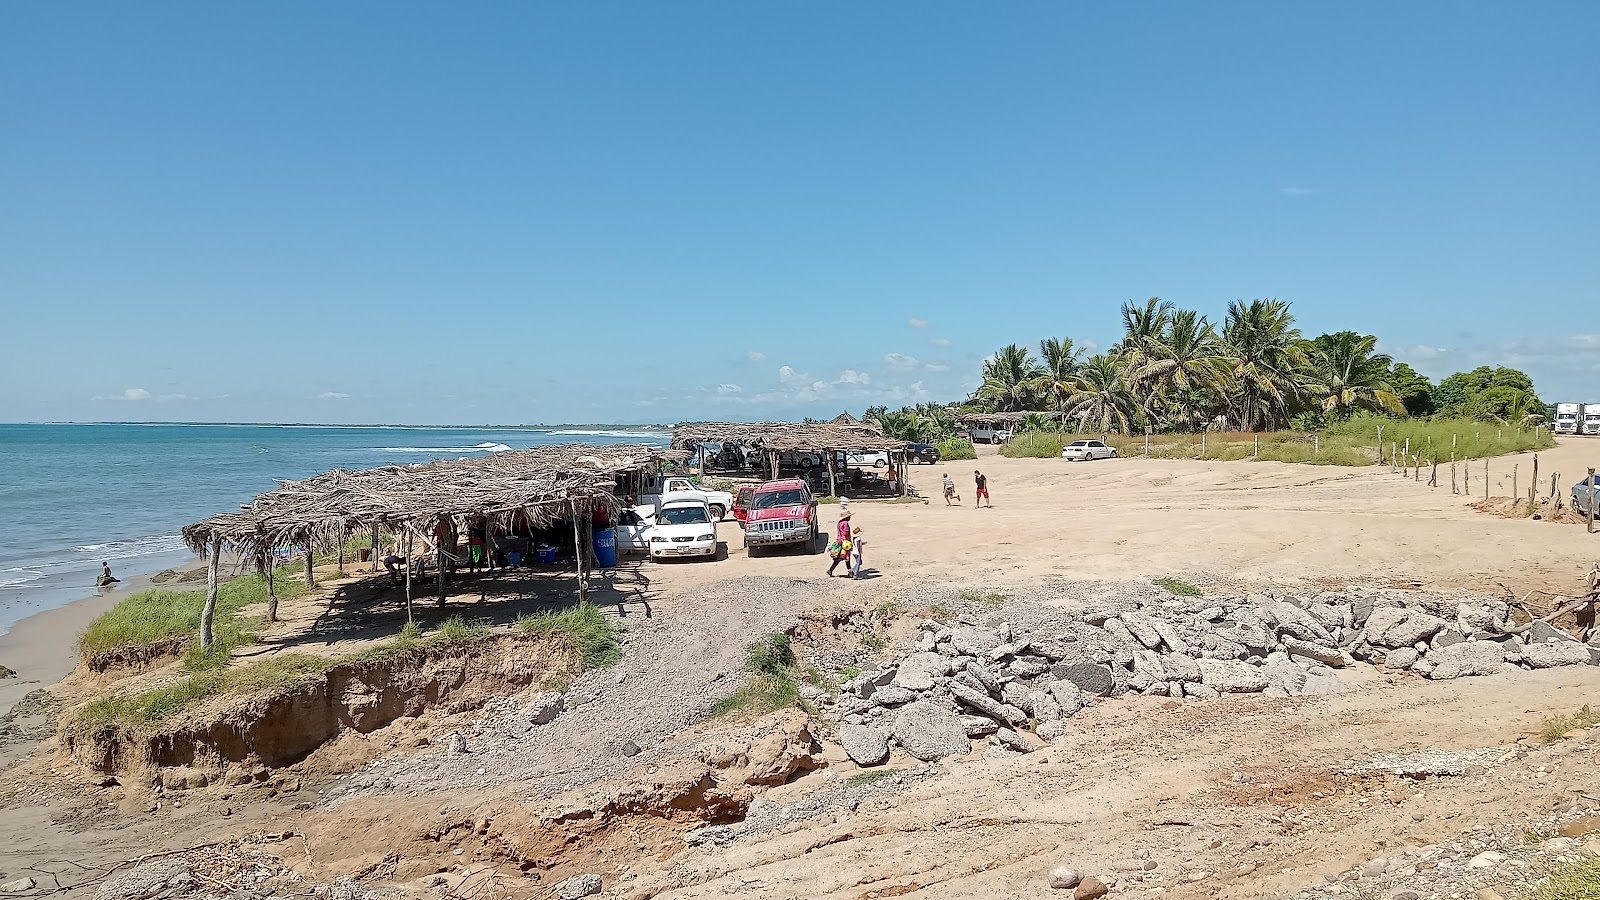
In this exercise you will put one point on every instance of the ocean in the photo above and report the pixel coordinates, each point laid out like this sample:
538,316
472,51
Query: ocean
72,496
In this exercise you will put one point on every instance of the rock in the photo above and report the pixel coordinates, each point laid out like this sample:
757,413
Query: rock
1466,658
183,778
1050,732
1296,622
983,703
1487,893
1403,658
1142,629
1328,656
970,640
1090,678
629,748
929,731
579,886
544,708
893,695
1181,668
915,680
987,679
979,726
1446,637
1487,860
1120,632
21,885
1028,668
716,835
917,671
865,745
1411,627
1580,827
1089,888
1200,692
1170,636
1011,740
785,748
1540,631
1148,664
1231,676
1006,651
1560,845
1285,676
7,673
1064,877
1551,655
1323,685
1069,697
1043,707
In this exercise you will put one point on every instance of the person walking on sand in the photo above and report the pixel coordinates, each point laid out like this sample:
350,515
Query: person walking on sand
857,547
982,481
839,548
950,490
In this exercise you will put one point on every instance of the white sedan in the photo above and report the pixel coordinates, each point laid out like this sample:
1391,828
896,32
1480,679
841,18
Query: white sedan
683,528
1081,450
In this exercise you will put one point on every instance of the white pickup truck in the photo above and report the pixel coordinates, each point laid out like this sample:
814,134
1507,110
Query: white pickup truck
680,487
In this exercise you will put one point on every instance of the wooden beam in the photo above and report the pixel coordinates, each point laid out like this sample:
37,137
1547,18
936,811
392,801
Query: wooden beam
409,535
209,611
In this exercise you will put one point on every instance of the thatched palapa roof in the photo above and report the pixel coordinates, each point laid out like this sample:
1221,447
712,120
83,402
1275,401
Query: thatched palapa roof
784,436
1003,418
543,484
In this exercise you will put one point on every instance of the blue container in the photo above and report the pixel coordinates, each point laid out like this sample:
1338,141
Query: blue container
544,554
605,548
513,558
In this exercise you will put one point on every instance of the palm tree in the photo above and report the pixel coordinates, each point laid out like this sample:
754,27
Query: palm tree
1525,410
1266,361
1143,325
1100,395
1346,374
1010,379
1061,362
1184,358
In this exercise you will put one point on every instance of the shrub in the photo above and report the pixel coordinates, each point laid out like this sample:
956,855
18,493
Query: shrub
1034,444
955,448
589,633
158,619
1177,586
770,662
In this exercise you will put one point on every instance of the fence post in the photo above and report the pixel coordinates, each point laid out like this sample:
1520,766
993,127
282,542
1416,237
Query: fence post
1486,478
1514,469
1258,446
1380,445
1453,474
1533,485
1591,499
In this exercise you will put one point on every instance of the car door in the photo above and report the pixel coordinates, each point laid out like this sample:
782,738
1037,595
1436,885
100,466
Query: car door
1100,450
633,531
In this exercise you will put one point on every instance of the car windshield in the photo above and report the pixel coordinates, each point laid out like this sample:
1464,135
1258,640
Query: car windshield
683,515
770,499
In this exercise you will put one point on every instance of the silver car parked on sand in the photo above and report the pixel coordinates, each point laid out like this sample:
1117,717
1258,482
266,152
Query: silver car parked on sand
1583,495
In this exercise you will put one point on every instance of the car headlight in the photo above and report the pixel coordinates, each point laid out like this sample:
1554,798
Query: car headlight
658,540
707,537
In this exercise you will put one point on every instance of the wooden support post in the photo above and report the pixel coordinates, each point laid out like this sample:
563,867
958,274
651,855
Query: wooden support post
209,611
1203,435
1592,503
772,457
1453,474
1258,448
341,550
272,592
1486,479
409,537
1533,486
1147,441
1433,478
1416,468
374,549
1514,469
311,578
577,551
833,485
1380,445
1316,443
1394,455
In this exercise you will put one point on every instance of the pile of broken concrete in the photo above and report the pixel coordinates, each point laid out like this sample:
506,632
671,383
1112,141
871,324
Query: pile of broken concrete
964,680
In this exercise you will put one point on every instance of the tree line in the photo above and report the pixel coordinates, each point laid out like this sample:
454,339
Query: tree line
1174,370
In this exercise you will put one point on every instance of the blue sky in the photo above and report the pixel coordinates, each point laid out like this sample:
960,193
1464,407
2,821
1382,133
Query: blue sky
602,212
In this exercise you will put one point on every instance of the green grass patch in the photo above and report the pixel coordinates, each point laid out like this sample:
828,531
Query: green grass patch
1576,880
772,685
160,618
985,598
1034,444
849,672
1555,728
955,449
871,776
1177,586
591,635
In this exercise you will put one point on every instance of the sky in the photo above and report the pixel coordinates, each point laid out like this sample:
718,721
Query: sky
423,213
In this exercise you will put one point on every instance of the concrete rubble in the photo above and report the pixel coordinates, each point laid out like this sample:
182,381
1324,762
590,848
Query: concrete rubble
964,680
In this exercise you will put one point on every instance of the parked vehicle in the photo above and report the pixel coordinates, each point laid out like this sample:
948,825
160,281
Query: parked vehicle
1567,418
678,487
781,512
683,528
1591,418
802,459
876,459
989,434
1088,450
741,503
1583,495
926,454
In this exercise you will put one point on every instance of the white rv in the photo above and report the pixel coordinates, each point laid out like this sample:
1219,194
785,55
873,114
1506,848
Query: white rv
1591,418
1567,417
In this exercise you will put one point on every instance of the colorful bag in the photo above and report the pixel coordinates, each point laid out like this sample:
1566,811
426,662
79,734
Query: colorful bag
836,550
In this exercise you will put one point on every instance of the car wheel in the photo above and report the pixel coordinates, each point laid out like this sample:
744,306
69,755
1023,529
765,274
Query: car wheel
1113,453
717,512
752,550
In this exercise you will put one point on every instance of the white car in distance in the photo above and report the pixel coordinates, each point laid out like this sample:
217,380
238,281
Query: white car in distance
682,528
1085,450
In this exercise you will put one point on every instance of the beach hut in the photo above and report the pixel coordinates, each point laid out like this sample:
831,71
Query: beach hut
808,445
540,487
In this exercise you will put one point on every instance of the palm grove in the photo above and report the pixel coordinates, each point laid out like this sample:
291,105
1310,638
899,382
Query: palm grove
1175,371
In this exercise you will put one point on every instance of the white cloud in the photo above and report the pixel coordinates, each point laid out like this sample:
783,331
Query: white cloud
939,342
788,375
136,394
728,389
937,367
899,361
333,395
755,356
1562,367
917,323
1296,191
851,376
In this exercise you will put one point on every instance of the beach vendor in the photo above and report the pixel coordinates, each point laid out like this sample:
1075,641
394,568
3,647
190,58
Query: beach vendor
106,579
839,547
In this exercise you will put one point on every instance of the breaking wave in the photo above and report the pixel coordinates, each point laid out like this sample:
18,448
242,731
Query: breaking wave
485,447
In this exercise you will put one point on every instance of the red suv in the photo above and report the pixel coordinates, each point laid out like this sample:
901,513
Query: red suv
780,512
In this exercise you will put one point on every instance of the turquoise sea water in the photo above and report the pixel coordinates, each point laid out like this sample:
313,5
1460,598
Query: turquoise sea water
72,496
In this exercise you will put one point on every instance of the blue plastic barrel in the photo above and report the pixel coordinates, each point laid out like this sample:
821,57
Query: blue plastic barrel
513,558
605,548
